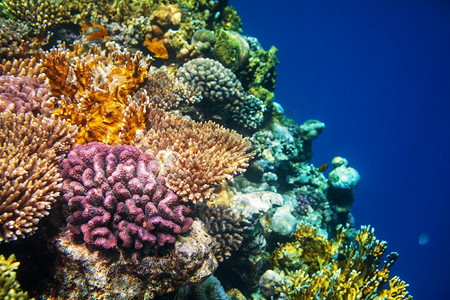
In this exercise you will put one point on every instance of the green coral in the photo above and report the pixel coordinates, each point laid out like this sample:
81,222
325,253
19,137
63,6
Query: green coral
314,267
230,49
9,287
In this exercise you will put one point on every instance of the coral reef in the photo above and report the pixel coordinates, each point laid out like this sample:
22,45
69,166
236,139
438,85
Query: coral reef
32,148
226,228
37,15
230,49
313,267
342,180
195,157
95,89
163,90
84,274
24,94
117,199
211,288
9,287
216,83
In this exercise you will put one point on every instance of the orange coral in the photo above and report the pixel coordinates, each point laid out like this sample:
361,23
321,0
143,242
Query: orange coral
95,88
195,156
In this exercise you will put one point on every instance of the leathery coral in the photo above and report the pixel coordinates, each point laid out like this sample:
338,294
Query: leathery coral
195,156
117,199
32,148
313,267
95,89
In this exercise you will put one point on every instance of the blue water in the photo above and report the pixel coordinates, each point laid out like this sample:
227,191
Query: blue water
378,74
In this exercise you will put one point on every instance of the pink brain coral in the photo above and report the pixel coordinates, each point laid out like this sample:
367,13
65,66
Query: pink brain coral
116,198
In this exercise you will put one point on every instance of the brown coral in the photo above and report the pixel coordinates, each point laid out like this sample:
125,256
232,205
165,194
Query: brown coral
195,156
95,89
22,67
226,228
32,148
163,90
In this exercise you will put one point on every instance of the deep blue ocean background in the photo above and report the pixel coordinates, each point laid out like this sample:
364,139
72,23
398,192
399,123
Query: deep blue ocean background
377,73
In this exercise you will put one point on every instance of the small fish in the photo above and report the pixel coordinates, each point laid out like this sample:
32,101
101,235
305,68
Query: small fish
94,31
157,48
216,117
424,239
322,168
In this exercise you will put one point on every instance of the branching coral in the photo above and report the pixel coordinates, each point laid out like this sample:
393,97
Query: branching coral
226,228
313,267
163,90
9,287
23,94
32,148
117,199
195,156
37,15
95,89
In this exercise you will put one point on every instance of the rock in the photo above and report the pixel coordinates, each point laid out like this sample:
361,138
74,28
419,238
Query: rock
84,274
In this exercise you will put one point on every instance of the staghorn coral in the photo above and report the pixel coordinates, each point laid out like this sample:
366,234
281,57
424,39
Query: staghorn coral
22,67
11,41
313,267
23,94
117,199
163,90
95,89
195,156
32,150
38,15
9,287
225,227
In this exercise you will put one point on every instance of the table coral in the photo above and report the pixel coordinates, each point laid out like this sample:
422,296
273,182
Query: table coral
116,198
95,89
9,287
313,267
195,156
32,148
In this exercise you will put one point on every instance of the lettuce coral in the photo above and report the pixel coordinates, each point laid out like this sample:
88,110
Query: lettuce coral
313,267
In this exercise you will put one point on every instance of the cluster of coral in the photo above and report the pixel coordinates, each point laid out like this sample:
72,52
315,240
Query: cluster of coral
144,155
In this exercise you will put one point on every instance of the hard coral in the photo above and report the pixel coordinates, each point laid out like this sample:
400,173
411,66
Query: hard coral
95,89
313,267
9,287
226,227
195,156
37,15
163,90
23,94
117,198
32,148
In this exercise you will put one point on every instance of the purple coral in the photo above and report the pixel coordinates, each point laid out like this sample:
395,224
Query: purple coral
117,199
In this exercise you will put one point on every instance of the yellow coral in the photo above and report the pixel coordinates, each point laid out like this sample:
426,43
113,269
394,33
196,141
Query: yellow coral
9,287
95,88
314,267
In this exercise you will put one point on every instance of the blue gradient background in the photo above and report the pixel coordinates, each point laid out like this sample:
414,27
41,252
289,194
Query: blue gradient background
377,73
